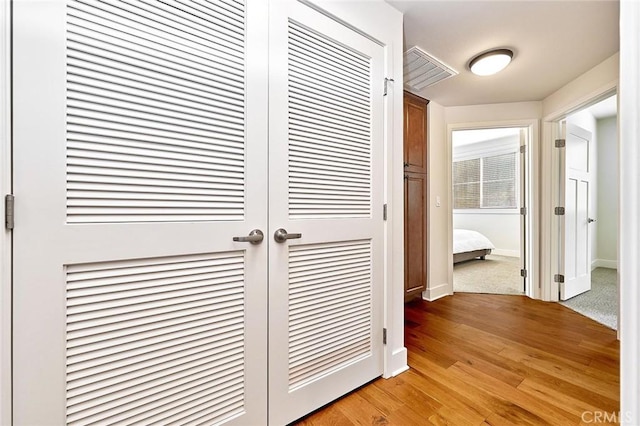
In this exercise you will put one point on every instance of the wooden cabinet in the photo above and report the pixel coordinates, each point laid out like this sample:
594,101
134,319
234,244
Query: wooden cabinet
415,195
415,134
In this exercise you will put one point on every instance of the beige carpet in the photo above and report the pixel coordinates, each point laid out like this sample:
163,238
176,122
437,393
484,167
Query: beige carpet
601,302
496,275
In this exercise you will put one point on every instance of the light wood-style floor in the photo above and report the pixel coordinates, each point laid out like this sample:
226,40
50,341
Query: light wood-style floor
491,360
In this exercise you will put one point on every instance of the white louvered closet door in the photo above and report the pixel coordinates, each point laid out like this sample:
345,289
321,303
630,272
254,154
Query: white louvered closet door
139,153
326,180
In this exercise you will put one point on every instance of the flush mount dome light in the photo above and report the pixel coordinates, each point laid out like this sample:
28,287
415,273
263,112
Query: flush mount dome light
491,62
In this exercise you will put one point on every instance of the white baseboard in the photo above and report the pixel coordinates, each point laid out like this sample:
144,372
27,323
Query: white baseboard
604,263
509,253
397,363
434,293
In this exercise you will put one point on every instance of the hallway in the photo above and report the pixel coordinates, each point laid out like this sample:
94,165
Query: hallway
489,359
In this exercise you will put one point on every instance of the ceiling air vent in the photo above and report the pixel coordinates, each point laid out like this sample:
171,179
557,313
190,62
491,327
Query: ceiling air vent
422,70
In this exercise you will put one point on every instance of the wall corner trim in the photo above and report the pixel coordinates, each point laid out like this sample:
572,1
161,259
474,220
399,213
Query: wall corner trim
437,292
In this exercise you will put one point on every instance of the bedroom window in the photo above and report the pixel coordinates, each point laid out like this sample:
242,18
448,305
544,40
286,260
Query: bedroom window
486,182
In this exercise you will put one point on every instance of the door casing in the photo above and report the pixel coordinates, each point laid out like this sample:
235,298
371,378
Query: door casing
531,220
550,230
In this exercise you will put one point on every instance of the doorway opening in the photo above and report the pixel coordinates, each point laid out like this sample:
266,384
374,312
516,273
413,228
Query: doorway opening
489,179
590,235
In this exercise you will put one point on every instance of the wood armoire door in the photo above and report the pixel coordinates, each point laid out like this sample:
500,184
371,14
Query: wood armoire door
415,133
415,235
140,146
415,194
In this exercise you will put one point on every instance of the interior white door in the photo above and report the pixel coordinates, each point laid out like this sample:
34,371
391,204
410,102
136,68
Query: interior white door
524,207
576,183
135,166
326,179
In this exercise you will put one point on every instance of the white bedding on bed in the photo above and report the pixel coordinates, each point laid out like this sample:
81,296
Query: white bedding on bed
465,240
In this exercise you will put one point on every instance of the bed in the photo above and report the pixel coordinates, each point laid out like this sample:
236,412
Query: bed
469,245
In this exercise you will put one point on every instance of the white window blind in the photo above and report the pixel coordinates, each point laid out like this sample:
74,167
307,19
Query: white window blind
486,182
466,184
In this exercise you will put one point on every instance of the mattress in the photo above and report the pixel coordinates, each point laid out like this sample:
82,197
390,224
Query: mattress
465,240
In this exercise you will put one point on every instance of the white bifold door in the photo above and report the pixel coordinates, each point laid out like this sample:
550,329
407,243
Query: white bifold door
158,149
576,193
325,180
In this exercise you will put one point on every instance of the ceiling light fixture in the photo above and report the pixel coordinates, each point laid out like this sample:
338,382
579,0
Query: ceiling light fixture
491,62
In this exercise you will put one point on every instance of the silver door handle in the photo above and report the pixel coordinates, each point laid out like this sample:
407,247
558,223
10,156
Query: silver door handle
255,237
591,220
281,235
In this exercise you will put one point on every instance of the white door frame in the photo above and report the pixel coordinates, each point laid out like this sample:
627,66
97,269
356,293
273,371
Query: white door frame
550,226
532,201
629,210
5,237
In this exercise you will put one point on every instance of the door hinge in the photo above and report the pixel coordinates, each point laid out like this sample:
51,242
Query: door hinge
386,85
523,149
384,212
384,336
559,211
560,143
523,273
558,278
523,211
9,201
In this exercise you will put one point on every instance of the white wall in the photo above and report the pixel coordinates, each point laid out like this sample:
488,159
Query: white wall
597,83
587,121
439,244
440,218
493,112
576,93
607,184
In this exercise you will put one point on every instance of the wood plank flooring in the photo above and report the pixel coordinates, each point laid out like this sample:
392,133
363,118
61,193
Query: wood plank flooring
480,359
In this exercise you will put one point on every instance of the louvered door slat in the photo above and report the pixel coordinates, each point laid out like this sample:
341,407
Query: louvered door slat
326,73
332,50
329,308
306,86
138,363
325,105
317,110
148,86
174,115
151,19
171,54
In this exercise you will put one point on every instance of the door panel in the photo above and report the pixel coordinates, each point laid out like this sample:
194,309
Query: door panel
415,131
576,236
325,101
135,166
415,238
155,339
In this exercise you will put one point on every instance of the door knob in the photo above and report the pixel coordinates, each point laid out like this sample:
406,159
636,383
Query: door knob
281,235
255,237
591,220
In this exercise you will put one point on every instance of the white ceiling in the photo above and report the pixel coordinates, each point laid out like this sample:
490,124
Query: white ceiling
553,43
